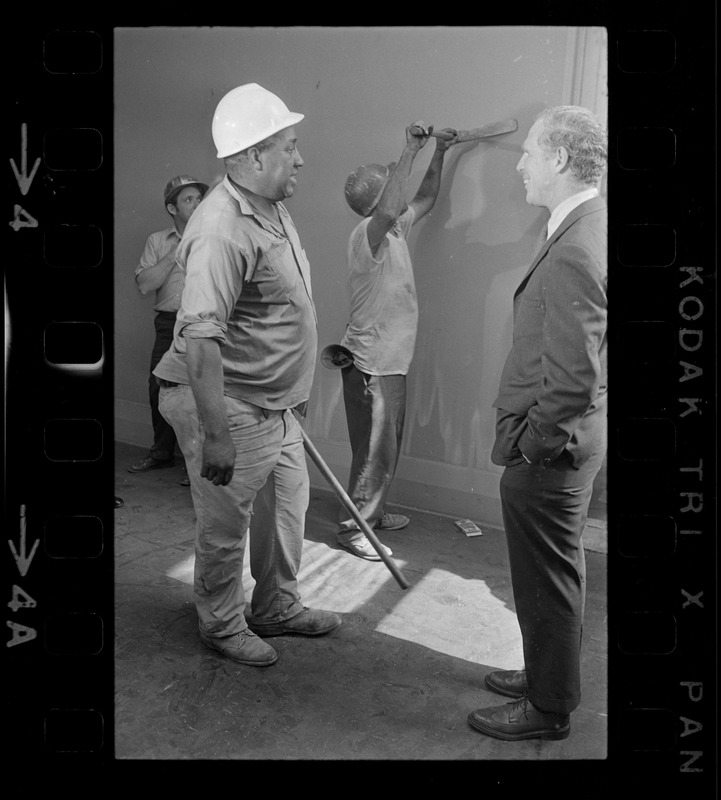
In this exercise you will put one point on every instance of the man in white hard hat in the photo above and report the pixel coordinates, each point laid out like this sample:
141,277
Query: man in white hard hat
381,333
242,360
551,427
158,272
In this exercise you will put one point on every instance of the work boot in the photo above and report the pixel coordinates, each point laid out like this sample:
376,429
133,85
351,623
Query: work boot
244,647
392,522
359,544
310,622
148,463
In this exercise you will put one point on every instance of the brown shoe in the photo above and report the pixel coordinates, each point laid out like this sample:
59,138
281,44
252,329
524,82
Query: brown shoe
520,720
511,683
148,463
310,622
245,648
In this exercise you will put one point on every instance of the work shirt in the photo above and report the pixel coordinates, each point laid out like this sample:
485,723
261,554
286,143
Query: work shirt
247,286
167,296
381,332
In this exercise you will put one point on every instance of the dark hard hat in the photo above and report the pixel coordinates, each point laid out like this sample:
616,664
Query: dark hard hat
174,185
364,186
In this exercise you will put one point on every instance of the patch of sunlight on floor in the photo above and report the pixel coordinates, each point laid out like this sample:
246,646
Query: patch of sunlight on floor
183,570
452,615
460,618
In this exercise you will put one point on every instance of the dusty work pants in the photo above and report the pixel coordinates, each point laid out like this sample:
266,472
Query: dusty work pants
163,447
375,409
544,514
267,497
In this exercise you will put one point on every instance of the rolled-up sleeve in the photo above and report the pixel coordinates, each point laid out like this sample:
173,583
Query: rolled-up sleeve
150,255
214,273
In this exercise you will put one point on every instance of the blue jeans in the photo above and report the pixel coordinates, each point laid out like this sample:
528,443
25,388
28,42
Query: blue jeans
375,411
267,497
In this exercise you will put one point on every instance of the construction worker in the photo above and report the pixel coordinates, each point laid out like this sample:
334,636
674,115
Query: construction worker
242,360
380,336
158,272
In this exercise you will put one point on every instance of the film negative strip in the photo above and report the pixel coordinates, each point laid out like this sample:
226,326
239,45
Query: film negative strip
59,469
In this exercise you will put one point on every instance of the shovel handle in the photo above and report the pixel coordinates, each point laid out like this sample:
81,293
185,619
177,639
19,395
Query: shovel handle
350,505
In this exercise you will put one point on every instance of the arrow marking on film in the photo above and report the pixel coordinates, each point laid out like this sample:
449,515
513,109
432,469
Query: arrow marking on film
22,561
22,177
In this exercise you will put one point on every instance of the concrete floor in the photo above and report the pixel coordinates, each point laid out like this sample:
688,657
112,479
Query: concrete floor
395,682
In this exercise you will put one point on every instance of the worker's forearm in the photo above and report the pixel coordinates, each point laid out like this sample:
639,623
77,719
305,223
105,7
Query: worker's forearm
205,371
152,278
431,183
393,199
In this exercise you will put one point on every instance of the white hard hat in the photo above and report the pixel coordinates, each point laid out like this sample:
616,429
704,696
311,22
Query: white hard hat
246,115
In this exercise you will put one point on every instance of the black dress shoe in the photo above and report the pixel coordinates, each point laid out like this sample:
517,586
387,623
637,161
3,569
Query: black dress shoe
520,720
511,683
118,502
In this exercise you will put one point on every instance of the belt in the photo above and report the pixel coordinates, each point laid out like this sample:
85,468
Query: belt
166,384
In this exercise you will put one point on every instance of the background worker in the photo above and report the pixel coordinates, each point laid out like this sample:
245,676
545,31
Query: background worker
158,272
242,360
551,428
381,333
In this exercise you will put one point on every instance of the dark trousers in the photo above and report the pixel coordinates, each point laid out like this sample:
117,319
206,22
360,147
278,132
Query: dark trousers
375,408
163,434
544,514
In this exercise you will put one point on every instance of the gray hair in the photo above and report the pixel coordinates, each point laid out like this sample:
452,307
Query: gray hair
261,147
581,134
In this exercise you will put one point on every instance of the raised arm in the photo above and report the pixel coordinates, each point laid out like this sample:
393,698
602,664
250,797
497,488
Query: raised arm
427,192
392,202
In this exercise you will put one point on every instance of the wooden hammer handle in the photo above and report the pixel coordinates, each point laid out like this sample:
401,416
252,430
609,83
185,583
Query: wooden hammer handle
492,129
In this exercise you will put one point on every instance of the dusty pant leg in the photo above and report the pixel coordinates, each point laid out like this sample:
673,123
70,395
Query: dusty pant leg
277,530
375,412
164,438
544,513
223,512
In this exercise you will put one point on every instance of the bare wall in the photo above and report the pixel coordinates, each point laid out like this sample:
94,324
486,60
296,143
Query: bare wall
359,88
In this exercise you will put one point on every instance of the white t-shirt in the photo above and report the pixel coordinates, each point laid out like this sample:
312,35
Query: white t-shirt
381,333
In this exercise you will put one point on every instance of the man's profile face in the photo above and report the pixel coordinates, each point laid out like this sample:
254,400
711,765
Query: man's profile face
281,163
185,203
536,169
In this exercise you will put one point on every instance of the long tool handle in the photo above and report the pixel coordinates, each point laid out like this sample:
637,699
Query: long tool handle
350,505
492,129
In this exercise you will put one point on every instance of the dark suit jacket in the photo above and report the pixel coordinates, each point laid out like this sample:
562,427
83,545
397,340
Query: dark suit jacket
552,395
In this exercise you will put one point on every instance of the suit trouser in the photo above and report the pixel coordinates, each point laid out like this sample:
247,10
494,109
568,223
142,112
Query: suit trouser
164,438
544,514
267,497
375,408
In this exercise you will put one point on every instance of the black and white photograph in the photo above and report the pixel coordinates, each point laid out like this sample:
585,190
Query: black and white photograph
360,282
360,398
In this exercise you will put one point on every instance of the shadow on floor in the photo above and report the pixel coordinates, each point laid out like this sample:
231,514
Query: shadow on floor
395,682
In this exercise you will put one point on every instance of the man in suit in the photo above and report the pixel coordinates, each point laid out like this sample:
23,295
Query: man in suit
551,426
